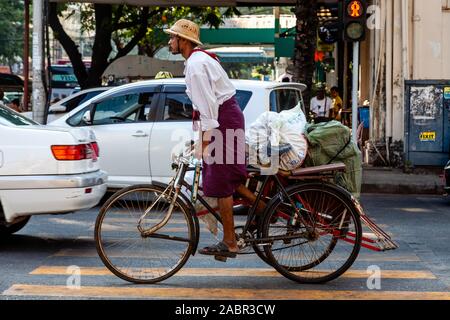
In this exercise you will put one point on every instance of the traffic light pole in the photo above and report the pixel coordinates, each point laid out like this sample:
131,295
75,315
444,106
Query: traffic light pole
355,78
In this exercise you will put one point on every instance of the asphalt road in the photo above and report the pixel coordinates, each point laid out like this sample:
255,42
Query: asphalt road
40,261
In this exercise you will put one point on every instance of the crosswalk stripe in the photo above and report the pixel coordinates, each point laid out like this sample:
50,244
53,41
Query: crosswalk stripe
236,272
217,293
382,257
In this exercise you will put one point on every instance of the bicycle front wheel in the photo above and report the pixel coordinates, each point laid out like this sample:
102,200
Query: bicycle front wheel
139,258
322,243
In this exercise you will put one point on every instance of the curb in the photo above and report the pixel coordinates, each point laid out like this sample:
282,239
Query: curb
430,189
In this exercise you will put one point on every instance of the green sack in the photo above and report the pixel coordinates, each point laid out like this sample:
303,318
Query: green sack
331,142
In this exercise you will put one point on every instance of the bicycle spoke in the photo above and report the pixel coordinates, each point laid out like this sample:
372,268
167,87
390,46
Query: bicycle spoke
321,251
139,258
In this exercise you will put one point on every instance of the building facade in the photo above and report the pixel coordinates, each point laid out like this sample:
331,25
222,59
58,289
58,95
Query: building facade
408,40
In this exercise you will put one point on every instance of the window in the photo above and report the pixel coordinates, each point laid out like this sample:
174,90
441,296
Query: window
125,108
177,107
446,5
75,102
63,77
9,117
243,97
116,109
284,99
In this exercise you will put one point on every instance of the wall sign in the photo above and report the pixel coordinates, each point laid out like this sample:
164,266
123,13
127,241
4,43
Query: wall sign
427,136
447,93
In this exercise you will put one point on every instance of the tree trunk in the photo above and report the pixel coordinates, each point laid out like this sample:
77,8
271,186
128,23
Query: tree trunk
305,45
102,45
68,44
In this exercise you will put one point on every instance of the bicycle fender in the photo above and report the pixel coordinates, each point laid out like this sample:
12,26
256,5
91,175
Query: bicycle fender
194,217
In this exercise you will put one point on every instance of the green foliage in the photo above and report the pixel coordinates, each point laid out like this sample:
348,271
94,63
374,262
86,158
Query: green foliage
263,10
126,19
127,26
11,31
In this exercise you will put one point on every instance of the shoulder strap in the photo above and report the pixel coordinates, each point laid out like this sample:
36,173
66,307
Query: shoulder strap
212,55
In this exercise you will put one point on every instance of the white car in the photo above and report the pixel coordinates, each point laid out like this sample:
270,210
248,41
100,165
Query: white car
45,170
139,125
69,103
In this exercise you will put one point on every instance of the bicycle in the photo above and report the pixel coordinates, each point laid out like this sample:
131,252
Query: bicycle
310,231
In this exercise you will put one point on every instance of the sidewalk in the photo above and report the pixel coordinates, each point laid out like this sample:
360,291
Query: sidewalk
395,181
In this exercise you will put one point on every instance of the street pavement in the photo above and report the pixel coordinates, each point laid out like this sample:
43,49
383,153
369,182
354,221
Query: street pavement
40,262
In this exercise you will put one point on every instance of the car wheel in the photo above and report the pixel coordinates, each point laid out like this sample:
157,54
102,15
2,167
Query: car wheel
13,228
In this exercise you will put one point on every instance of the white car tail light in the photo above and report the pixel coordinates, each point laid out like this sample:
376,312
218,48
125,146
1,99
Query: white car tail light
75,152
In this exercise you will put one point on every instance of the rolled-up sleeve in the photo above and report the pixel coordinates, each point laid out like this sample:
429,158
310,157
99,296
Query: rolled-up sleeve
204,99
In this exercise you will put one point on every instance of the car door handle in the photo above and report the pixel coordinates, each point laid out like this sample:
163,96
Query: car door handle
140,134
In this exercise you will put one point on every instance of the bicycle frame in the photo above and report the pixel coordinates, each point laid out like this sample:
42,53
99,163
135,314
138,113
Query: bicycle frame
178,182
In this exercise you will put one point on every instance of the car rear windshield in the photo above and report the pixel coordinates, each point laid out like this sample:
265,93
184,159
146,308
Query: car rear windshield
9,117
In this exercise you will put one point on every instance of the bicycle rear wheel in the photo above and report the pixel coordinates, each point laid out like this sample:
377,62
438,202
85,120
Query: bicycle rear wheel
323,243
137,258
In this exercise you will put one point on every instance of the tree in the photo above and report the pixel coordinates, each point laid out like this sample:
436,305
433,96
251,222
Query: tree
125,26
11,31
305,44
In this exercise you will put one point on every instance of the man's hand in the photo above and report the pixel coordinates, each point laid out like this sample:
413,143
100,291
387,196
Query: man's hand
198,150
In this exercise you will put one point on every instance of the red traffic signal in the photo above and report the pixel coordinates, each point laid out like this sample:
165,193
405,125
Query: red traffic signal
355,9
354,20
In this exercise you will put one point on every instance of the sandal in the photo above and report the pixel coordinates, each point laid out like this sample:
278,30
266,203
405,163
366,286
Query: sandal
218,249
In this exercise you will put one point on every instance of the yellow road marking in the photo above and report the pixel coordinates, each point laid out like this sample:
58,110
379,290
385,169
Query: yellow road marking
236,272
212,293
377,257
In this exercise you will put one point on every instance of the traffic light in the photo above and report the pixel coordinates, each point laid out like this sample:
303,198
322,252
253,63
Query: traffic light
354,16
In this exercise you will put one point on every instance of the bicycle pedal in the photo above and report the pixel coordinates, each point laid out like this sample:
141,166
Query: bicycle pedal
220,258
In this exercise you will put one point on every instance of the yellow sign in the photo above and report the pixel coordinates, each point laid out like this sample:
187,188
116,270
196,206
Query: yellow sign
428,136
447,93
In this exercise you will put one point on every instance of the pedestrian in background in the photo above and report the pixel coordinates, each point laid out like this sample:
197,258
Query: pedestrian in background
320,106
337,104
15,105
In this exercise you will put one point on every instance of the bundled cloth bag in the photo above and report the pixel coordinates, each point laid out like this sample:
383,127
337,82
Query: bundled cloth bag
331,142
273,131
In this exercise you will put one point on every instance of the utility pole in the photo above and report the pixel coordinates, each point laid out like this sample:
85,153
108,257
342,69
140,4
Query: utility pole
38,97
354,17
26,55
355,84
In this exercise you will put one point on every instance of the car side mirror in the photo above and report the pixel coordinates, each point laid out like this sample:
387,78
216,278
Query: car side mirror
87,117
57,109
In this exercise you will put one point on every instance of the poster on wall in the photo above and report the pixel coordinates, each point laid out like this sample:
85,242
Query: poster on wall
425,103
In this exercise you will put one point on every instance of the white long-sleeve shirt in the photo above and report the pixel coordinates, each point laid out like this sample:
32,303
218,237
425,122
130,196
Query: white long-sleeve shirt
208,86
321,107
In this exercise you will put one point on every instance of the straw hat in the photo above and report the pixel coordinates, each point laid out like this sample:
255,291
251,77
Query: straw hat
185,29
